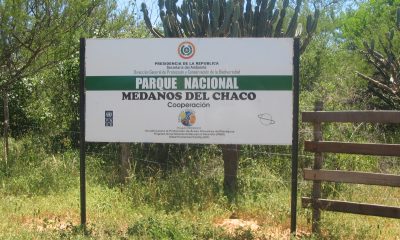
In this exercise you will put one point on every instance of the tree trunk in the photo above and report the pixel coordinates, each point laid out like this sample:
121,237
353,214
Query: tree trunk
6,126
125,164
230,155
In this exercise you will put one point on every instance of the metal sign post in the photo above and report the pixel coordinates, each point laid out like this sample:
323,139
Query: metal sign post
295,135
82,131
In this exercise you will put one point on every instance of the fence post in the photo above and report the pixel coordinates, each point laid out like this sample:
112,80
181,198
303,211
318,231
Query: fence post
318,160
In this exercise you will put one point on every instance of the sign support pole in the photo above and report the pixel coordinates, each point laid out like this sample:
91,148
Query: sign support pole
295,135
82,131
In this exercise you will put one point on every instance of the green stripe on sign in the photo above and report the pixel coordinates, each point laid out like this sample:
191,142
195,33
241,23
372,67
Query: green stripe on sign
265,82
189,83
110,83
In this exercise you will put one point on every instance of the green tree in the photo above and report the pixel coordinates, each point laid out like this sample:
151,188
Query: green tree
36,35
52,111
374,31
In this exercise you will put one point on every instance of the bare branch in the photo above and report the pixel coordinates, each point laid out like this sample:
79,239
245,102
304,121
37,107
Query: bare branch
377,83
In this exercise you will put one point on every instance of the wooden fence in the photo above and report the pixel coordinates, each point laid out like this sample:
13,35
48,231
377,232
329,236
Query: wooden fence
318,147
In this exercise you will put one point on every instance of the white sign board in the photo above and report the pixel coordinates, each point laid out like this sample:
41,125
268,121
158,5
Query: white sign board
213,91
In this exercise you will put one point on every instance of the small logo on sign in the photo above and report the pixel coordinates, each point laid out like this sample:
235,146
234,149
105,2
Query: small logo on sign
186,50
266,119
187,118
108,120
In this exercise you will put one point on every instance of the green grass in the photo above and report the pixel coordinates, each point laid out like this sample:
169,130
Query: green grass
39,199
111,215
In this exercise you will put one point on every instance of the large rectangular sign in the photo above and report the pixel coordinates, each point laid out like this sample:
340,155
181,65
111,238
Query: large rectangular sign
214,91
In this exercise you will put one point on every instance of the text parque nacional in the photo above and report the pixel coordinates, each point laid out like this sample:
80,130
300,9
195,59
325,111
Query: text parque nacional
159,84
190,83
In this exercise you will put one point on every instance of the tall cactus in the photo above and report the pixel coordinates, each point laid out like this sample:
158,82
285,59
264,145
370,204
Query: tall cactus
385,84
230,18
